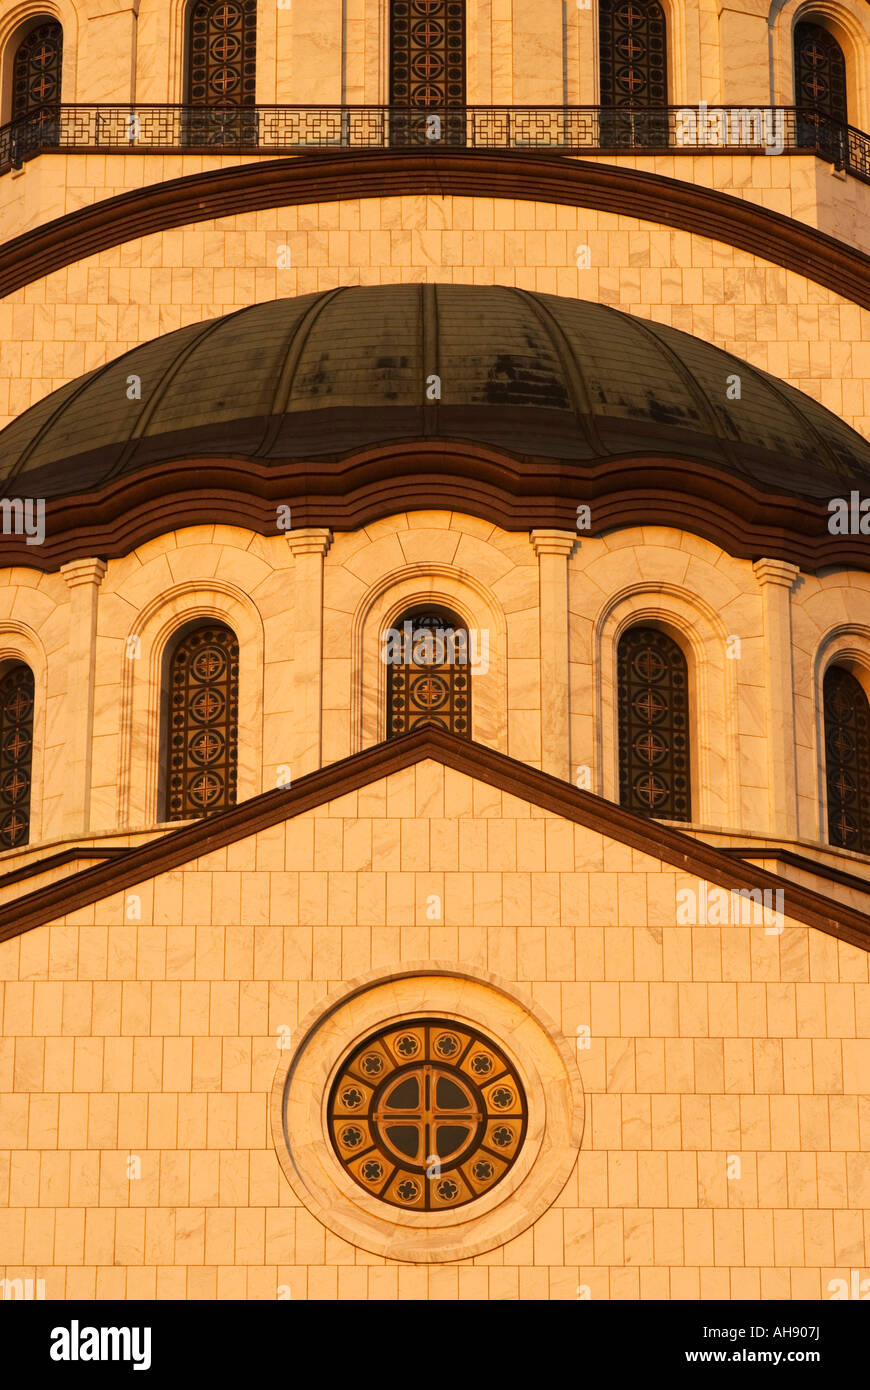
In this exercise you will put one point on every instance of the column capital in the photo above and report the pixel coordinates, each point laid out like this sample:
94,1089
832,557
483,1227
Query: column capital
310,540
776,572
553,542
78,572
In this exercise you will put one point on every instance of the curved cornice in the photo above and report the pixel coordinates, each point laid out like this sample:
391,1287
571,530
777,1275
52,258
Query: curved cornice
537,178
425,475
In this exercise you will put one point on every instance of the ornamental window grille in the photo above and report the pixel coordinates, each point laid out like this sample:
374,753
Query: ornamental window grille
36,73
632,53
222,53
16,754
202,722
847,759
819,72
428,674
427,71
427,1115
653,701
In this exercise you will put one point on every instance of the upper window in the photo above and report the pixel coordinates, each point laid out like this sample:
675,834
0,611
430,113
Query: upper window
202,722
654,759
222,53
36,72
847,760
428,674
427,53
427,1115
819,71
16,754
632,53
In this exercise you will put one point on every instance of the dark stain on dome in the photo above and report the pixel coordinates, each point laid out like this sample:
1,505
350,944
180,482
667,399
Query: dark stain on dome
325,376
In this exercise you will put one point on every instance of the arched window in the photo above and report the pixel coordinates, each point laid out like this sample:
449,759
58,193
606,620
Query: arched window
654,759
221,72
847,760
222,53
428,674
16,754
427,68
819,72
36,73
633,66
201,723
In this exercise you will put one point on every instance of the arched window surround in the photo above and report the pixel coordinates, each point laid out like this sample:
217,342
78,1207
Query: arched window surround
698,630
850,27
847,645
18,644
15,27
413,587
157,628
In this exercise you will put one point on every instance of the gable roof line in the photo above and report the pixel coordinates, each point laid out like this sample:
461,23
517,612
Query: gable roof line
549,793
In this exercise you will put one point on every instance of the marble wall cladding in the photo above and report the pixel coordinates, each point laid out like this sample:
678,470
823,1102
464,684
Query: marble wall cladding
158,1038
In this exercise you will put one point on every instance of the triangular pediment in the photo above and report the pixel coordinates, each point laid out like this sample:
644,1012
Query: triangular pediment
489,773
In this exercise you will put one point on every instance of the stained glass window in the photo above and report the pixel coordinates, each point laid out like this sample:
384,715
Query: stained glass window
203,721
428,674
819,71
847,760
654,761
427,1115
16,754
36,73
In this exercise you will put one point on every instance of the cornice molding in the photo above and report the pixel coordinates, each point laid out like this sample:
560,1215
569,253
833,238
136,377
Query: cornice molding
525,494
315,789
333,178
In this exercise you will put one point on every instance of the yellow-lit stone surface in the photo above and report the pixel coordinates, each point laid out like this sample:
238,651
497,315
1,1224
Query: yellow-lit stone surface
152,1022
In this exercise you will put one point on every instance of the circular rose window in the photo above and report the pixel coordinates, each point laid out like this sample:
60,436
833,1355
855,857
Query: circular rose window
427,1115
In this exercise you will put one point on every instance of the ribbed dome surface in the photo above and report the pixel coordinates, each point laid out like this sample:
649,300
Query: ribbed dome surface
325,375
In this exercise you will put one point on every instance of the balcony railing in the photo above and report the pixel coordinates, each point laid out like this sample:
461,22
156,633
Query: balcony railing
571,130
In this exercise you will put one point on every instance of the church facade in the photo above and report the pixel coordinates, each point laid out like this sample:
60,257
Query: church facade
434,650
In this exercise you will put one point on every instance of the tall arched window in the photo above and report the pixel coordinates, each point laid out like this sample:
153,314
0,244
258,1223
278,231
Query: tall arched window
428,674
201,723
221,72
633,67
427,69
819,72
16,754
847,759
36,73
653,699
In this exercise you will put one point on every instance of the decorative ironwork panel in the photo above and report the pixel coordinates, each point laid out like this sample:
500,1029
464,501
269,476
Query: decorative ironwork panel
427,72
428,675
222,53
203,723
16,755
819,72
632,53
427,53
427,1115
654,763
847,760
36,74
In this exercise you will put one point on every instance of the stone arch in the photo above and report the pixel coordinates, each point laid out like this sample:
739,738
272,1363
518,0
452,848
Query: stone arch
846,645
394,594
15,26
19,643
156,627
697,629
848,24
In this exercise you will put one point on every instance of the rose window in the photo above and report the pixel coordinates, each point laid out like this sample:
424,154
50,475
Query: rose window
427,1115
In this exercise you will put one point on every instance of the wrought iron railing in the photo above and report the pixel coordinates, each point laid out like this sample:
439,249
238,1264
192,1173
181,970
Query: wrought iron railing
555,129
